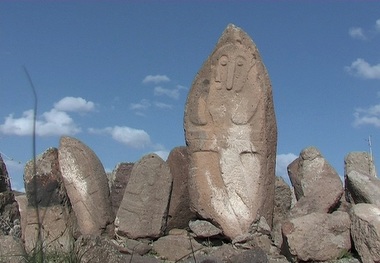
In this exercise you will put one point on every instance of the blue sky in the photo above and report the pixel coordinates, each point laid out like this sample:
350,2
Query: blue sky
116,74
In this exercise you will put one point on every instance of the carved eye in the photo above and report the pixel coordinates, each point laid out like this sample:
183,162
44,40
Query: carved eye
223,60
240,61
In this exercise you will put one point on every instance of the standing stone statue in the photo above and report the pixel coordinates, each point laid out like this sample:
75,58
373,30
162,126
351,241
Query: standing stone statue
231,132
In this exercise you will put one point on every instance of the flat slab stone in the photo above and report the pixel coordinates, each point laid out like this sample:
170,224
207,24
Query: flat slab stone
179,213
86,185
231,133
365,231
143,210
120,176
202,229
363,188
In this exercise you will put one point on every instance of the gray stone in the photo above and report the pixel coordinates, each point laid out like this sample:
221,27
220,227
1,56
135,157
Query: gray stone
8,205
101,250
282,204
204,229
317,236
174,248
365,231
360,162
179,213
137,246
86,185
363,188
55,225
231,132
317,185
143,210
44,183
255,255
11,250
121,175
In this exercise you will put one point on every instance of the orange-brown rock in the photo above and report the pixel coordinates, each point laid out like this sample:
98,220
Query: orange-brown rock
231,132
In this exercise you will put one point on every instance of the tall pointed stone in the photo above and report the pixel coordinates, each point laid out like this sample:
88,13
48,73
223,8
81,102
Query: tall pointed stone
230,128
86,185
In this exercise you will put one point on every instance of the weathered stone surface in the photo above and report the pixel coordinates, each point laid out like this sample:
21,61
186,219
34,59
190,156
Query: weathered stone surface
176,247
365,231
121,175
43,183
231,132
143,210
9,214
363,188
179,213
317,236
101,250
5,181
203,229
140,247
282,204
255,255
360,162
55,224
11,250
86,185
317,185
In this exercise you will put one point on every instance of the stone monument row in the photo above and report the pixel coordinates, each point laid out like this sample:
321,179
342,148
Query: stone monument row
215,200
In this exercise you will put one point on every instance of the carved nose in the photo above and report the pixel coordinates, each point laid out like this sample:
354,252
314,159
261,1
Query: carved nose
230,76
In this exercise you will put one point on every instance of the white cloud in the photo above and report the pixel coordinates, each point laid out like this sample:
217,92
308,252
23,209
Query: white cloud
362,34
357,33
171,93
50,123
155,79
142,105
74,104
363,69
282,162
129,136
162,105
377,25
369,116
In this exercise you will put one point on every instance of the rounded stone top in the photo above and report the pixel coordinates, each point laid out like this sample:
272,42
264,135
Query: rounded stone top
310,153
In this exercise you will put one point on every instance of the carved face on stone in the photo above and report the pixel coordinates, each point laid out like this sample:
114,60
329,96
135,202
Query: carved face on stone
230,67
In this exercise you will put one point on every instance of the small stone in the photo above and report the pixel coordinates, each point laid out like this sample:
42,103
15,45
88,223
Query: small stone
174,248
255,255
204,229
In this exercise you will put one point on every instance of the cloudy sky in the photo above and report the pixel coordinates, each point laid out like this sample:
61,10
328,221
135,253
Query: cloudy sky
116,74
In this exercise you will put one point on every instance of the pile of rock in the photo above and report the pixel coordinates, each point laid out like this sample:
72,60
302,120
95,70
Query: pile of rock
215,200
